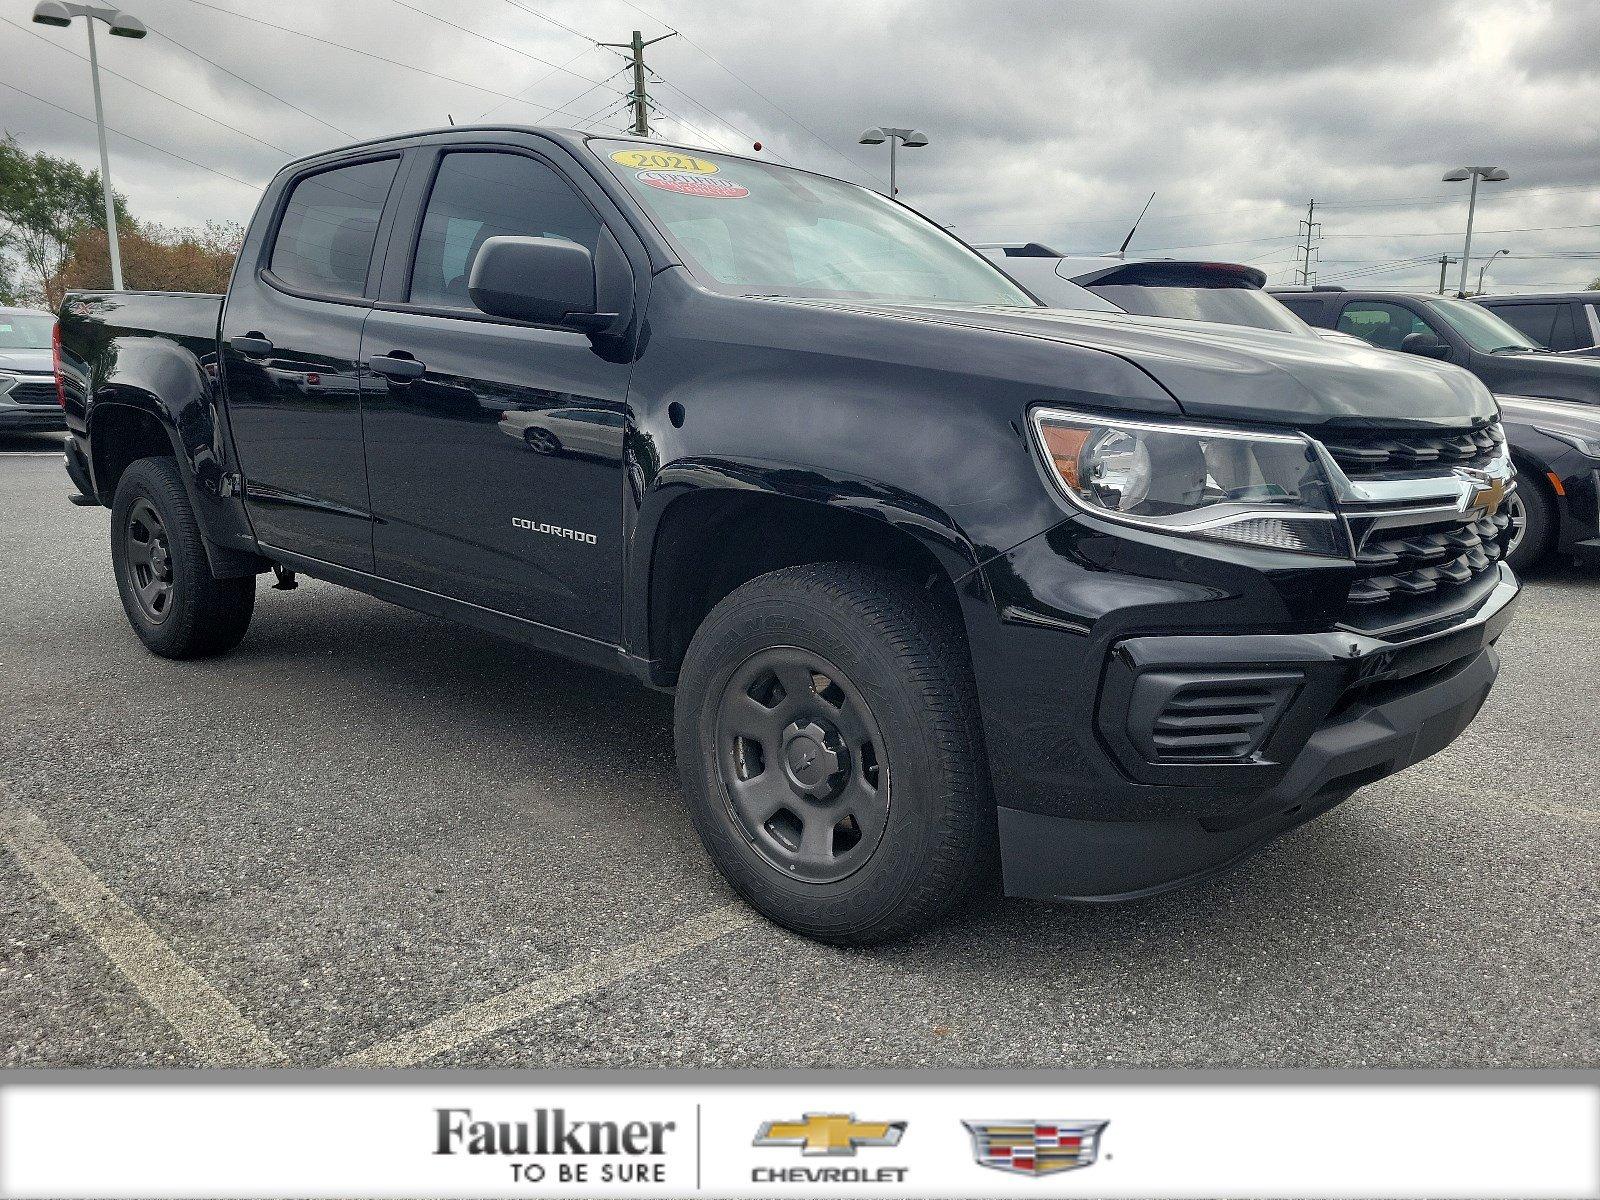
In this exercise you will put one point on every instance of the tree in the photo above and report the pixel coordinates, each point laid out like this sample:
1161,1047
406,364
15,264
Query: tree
1594,286
46,202
154,257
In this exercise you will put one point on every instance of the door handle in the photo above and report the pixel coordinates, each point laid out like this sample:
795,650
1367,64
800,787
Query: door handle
398,365
252,343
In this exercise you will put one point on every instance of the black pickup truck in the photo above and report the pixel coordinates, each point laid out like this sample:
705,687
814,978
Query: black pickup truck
943,580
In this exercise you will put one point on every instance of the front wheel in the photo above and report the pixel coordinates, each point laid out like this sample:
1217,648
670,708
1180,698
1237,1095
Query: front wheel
1532,519
828,742
174,603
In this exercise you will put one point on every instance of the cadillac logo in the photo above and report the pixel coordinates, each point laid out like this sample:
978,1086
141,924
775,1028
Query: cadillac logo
1035,1147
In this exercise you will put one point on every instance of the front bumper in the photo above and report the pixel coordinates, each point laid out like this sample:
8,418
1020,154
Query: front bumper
1090,810
17,418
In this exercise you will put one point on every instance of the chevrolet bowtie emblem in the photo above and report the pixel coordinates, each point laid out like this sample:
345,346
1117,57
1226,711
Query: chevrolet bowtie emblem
1487,497
830,1133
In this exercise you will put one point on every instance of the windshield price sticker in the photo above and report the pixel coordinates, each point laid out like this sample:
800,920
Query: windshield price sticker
664,160
693,185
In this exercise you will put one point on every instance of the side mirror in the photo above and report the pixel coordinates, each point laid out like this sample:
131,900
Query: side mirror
549,281
1425,344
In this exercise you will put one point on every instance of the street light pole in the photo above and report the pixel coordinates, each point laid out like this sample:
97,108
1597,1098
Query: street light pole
1488,175
1486,266
105,166
122,25
878,134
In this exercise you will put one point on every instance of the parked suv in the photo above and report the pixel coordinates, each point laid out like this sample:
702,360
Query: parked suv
1566,322
28,399
938,576
1450,330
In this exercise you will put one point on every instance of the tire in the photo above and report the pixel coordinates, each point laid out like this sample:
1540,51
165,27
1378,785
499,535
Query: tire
1530,506
870,761
174,603
541,441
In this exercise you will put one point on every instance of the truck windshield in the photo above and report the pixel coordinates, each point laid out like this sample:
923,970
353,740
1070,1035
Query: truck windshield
754,228
25,331
1487,332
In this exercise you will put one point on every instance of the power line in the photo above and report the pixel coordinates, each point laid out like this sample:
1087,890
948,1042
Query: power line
548,109
143,87
484,37
1450,233
393,62
255,187
714,115
532,12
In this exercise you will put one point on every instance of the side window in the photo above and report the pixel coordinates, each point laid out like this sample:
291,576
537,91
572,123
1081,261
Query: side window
1382,324
480,194
1592,315
1565,335
1534,321
329,226
1308,310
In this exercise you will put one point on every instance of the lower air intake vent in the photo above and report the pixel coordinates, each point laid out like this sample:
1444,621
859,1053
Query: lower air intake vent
1215,717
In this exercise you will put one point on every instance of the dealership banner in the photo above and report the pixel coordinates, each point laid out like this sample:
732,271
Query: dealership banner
380,1135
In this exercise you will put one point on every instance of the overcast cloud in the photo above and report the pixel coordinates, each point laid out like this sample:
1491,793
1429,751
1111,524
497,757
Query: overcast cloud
1051,120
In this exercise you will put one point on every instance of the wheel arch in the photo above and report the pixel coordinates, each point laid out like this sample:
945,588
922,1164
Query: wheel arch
705,529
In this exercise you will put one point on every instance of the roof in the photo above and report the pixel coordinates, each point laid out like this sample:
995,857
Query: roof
1591,296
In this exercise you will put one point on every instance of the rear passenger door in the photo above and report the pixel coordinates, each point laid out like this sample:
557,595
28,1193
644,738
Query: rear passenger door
494,446
291,339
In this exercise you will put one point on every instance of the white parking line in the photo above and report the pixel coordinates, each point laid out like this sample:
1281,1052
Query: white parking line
214,1029
500,1012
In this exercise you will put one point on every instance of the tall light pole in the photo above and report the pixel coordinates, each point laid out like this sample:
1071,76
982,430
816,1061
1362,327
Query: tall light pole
53,12
1488,175
1486,266
909,138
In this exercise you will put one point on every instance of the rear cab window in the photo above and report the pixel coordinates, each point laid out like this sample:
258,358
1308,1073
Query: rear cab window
325,238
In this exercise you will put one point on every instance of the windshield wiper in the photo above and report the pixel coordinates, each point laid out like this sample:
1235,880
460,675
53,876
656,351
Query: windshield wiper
1520,350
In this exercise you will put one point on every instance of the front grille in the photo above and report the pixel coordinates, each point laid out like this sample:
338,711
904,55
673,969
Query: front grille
1362,455
1410,572
31,393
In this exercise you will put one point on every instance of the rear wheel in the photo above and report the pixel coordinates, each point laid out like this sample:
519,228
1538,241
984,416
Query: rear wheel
174,603
828,742
1532,519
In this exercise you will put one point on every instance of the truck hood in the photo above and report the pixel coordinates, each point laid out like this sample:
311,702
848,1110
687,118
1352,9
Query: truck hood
27,362
1568,416
1230,372
1553,366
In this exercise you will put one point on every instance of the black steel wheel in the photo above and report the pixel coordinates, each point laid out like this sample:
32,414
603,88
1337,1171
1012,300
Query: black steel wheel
149,557
175,604
830,751
802,765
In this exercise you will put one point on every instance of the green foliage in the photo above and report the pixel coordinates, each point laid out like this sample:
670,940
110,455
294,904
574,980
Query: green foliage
45,203
1594,285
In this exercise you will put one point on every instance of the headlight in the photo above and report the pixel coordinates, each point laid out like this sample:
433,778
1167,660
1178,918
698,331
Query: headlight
1588,445
1260,489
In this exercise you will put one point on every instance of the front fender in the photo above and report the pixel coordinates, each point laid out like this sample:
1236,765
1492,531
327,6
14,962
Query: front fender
929,526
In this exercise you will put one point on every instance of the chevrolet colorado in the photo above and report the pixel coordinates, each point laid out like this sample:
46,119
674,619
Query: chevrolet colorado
941,579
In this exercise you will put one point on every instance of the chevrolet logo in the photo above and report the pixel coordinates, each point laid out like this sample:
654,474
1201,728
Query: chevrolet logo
830,1133
1487,497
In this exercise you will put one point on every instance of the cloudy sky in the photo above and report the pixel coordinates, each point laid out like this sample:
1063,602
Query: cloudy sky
1050,120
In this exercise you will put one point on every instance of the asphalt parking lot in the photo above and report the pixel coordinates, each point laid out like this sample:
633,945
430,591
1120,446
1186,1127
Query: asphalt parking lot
370,837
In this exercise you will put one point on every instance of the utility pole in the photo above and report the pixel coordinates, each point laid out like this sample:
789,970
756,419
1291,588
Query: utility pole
1309,228
639,98
1444,261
